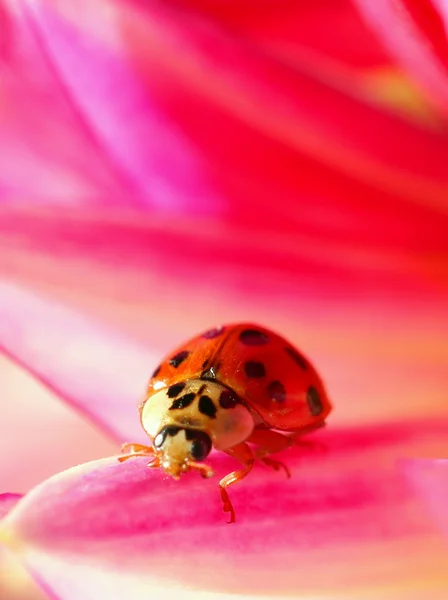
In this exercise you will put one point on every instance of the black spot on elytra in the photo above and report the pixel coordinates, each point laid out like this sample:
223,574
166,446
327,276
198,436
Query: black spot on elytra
170,430
156,372
254,369
213,333
209,374
175,389
253,337
179,358
206,407
314,401
276,391
183,402
228,399
205,363
297,358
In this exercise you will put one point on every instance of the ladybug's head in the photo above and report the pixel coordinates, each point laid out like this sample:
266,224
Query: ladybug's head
186,418
180,449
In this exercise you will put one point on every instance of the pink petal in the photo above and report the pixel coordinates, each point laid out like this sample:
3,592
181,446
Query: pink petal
430,478
50,154
321,39
93,368
49,432
166,172
377,332
415,32
299,30
228,120
7,501
105,525
320,223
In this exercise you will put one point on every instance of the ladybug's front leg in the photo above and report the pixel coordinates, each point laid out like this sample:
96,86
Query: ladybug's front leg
132,450
270,442
244,454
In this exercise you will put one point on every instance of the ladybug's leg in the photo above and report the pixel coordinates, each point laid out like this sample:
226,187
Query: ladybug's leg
132,450
205,471
270,442
244,454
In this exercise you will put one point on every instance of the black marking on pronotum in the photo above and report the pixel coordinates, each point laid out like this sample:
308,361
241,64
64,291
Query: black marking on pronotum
183,401
297,358
156,371
206,407
228,399
254,369
212,333
170,430
179,358
209,374
175,389
253,337
276,391
201,389
314,402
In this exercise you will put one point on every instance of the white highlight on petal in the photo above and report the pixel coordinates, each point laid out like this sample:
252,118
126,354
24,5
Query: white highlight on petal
98,370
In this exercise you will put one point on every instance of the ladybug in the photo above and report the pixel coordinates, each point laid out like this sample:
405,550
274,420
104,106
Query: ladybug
227,388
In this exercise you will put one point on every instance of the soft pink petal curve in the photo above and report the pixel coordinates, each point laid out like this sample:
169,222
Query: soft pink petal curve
345,501
46,155
372,316
150,156
7,501
94,368
430,478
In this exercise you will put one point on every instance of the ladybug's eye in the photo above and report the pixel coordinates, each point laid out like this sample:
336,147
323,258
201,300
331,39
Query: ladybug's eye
201,444
160,438
199,449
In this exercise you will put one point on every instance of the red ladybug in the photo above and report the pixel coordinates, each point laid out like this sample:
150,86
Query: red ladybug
227,388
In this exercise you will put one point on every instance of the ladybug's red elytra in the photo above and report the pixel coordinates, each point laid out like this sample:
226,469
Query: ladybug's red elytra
227,388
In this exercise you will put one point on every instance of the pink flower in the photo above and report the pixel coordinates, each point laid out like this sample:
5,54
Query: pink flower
166,166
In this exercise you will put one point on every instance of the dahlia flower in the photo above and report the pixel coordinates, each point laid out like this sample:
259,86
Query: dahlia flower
169,166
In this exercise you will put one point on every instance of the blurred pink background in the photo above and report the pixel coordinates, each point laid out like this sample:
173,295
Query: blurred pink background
325,219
